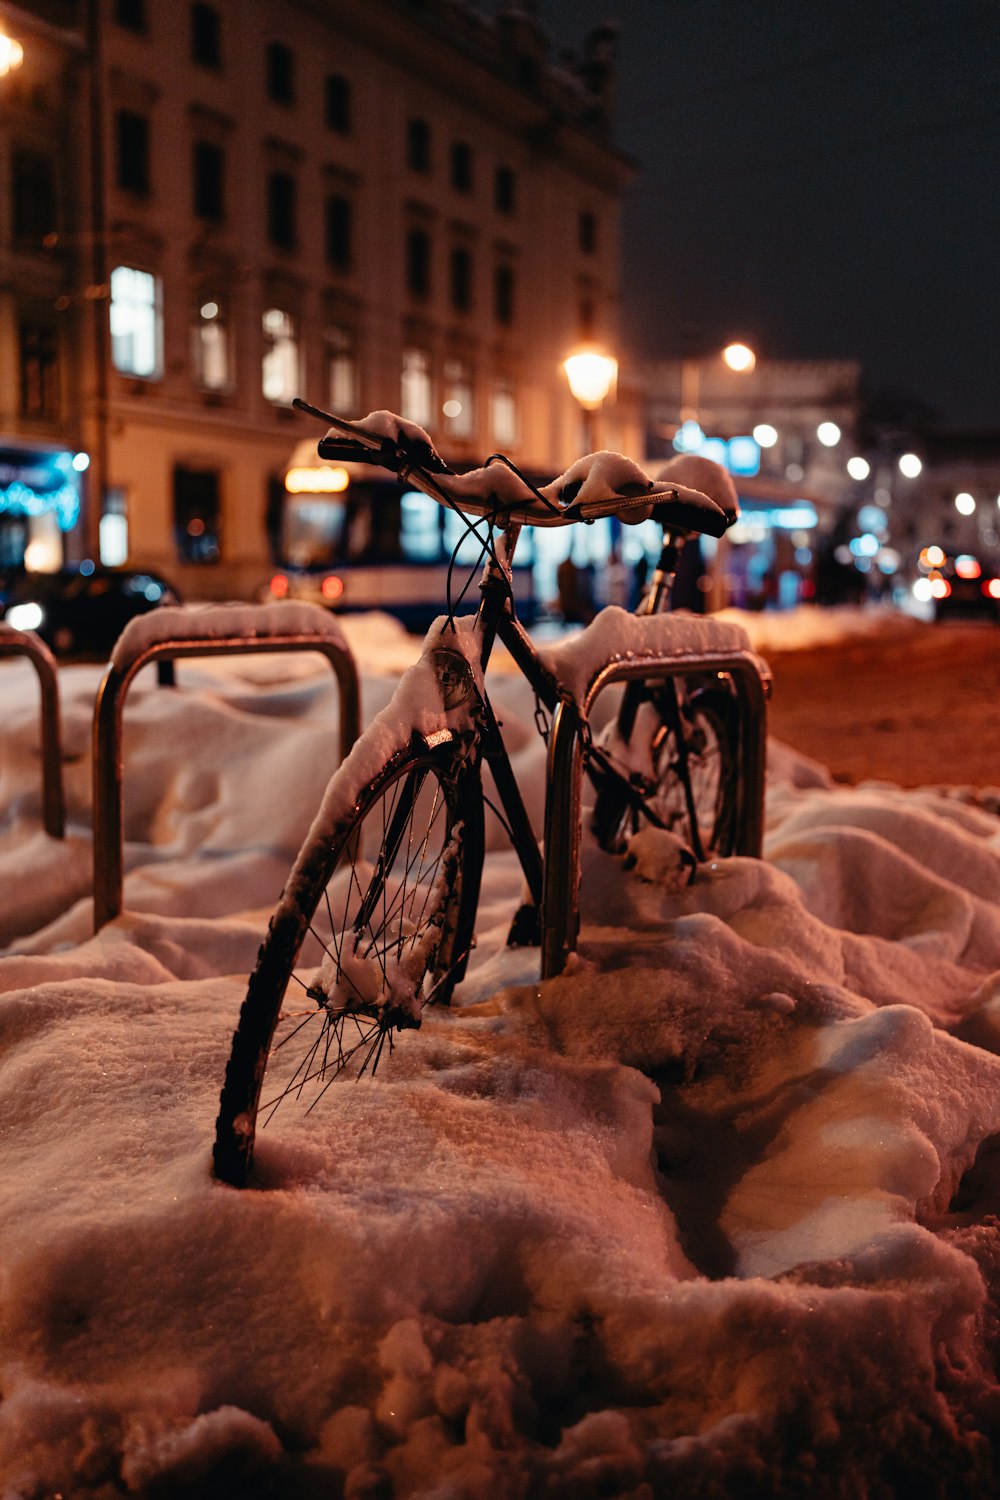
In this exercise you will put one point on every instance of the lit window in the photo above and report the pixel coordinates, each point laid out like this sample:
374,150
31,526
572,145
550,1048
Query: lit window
503,413
341,372
416,386
135,322
211,346
113,529
281,356
457,406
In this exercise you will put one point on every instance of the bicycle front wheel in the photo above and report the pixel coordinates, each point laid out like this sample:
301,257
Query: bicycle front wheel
374,923
676,745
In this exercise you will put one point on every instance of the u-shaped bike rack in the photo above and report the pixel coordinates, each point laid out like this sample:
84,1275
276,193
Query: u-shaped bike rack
107,732
563,818
25,643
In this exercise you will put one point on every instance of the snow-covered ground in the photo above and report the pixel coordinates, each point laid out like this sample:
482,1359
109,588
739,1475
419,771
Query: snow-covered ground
713,1214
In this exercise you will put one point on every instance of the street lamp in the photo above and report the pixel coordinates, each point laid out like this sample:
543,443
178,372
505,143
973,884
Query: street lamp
591,374
737,357
11,54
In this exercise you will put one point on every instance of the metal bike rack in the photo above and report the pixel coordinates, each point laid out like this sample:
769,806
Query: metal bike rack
107,731
25,643
563,818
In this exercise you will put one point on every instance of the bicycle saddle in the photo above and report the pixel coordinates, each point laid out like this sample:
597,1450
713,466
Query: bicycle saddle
706,475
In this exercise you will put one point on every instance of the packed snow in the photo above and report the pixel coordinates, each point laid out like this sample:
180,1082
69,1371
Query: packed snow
712,1214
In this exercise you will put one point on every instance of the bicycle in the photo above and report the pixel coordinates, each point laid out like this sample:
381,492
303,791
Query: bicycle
377,916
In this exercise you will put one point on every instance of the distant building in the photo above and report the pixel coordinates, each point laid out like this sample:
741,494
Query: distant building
218,206
785,429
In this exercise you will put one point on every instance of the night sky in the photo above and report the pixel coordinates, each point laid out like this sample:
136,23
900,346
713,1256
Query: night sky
820,178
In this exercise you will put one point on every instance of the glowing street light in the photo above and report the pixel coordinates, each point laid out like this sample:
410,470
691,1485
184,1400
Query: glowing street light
739,357
11,54
764,435
828,434
909,465
965,503
858,468
591,374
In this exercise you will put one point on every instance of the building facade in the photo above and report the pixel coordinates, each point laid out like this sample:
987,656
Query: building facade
370,203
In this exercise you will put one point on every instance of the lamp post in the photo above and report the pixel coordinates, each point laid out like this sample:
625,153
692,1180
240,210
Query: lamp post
591,373
739,358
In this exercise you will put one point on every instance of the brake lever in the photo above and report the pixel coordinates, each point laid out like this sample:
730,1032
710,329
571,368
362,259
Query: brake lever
356,434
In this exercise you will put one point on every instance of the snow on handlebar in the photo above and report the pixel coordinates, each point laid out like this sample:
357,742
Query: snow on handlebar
599,484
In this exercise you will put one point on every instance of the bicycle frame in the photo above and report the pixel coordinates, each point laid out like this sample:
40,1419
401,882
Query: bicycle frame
496,619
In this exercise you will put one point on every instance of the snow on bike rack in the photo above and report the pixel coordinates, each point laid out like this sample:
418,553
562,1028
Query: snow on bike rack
196,630
618,646
26,643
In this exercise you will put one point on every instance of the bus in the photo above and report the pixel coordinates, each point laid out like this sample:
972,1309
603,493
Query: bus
347,537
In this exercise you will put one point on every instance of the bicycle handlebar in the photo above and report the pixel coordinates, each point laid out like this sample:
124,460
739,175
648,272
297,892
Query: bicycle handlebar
601,484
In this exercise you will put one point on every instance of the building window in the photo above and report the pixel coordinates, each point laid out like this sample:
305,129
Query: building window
504,190
341,372
281,207
418,145
131,14
34,196
135,322
418,263
503,294
132,143
280,73
457,407
503,414
338,232
461,166
460,278
337,97
416,387
197,514
280,370
210,346
39,351
113,529
208,168
587,232
206,35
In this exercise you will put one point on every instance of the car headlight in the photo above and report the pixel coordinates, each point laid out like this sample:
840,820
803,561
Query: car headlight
27,616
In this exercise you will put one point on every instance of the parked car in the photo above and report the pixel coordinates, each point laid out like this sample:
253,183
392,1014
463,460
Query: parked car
965,587
80,611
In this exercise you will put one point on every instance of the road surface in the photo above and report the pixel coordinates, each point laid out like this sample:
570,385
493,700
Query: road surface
917,709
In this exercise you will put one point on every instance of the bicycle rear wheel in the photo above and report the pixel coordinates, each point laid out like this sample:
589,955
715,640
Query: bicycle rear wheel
374,923
677,746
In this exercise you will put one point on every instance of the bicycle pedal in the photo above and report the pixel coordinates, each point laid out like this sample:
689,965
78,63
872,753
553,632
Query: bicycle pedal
525,929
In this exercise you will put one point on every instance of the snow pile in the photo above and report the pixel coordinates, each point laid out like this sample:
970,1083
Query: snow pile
713,1213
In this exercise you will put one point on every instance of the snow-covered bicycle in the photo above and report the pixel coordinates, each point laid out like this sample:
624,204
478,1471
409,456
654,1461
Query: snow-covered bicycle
377,916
